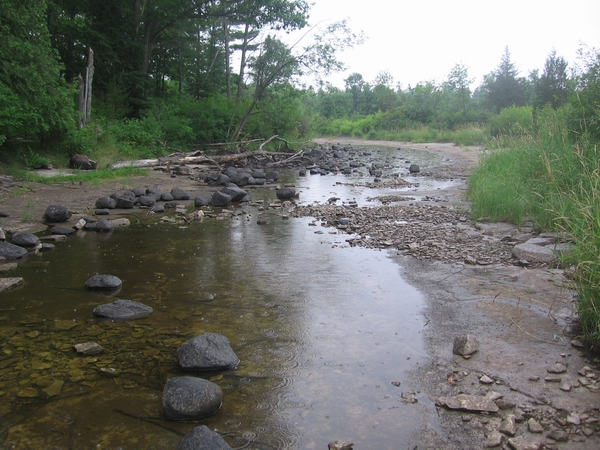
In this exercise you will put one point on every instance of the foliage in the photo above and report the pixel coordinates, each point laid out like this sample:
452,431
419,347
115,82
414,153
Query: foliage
585,98
552,86
503,88
512,121
35,103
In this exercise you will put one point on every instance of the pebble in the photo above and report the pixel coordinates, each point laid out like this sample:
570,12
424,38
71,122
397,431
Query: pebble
486,380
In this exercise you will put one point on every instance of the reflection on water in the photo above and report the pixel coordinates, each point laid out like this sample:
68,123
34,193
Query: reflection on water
322,331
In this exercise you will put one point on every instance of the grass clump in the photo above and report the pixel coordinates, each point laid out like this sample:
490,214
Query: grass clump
553,178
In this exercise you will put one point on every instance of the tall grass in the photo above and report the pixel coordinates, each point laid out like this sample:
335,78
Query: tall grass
553,178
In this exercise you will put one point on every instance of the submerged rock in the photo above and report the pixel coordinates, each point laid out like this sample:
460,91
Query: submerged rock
209,351
203,438
191,398
122,309
285,193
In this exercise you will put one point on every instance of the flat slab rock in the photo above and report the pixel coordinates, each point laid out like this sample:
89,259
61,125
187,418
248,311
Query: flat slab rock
11,251
468,403
191,398
209,351
122,309
9,283
203,438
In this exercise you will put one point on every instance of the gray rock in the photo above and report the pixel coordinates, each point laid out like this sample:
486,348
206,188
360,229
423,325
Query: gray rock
146,200
106,203
209,351
465,345
166,197
534,426
103,282
559,435
88,349
272,176
26,240
82,162
122,309
508,425
494,439
11,251
47,247
285,193
57,213
202,201
183,170
202,438
180,194
9,283
414,168
340,445
138,191
220,199
468,403
64,231
124,202
557,368
191,398
525,443
102,225
101,212
236,193
158,209
533,252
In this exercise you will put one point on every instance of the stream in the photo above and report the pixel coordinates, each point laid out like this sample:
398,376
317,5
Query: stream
326,333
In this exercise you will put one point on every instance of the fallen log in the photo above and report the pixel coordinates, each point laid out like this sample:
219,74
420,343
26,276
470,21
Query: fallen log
134,163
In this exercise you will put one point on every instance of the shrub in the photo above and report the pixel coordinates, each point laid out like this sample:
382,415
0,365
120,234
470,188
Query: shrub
512,121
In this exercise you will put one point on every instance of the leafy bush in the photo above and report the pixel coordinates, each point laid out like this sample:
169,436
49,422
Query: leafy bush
512,121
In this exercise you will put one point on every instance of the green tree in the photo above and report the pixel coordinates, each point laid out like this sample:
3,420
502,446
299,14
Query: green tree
503,87
553,85
35,102
585,99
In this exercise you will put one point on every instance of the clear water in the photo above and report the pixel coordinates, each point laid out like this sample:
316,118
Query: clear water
322,331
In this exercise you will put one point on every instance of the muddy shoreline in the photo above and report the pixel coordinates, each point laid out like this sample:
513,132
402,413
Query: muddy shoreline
522,318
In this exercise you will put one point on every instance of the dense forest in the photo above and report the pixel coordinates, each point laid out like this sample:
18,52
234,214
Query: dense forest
184,74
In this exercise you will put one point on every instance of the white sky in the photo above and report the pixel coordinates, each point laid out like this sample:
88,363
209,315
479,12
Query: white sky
421,40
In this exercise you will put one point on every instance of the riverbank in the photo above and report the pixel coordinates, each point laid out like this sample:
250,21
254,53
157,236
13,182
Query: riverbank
521,316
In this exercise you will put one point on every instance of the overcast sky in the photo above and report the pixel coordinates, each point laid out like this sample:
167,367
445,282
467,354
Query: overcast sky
422,40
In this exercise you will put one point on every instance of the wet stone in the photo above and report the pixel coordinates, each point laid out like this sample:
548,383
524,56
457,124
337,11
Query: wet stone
469,403
525,443
106,203
191,398
103,225
122,309
88,348
285,193
202,438
340,445
11,251
9,283
54,389
465,345
25,239
179,194
61,230
209,351
103,282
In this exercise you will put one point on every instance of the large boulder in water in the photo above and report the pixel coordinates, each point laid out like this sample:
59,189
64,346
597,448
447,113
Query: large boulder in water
203,438
187,398
209,351
285,193
103,282
122,309
26,240
236,193
220,199
11,251
57,213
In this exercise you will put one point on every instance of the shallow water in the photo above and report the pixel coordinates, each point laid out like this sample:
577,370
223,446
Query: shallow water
322,331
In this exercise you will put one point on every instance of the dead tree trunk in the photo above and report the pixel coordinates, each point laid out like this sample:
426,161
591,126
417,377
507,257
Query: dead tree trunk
85,91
